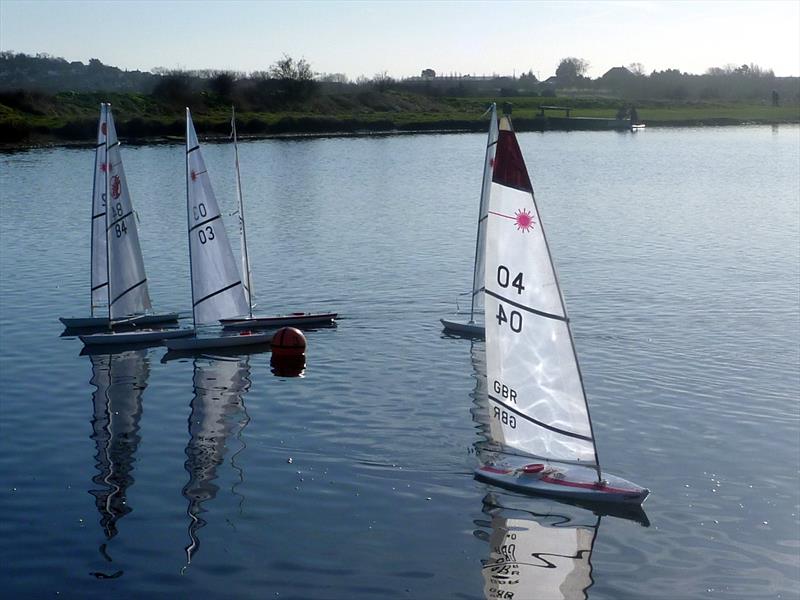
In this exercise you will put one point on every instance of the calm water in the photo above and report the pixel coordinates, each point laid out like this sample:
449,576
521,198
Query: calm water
128,476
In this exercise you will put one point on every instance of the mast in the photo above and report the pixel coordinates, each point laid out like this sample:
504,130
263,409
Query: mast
106,170
486,183
245,256
91,242
189,219
507,114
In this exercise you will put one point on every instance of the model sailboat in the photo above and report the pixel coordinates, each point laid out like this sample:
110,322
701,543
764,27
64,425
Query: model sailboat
138,302
126,283
217,289
538,410
245,322
473,327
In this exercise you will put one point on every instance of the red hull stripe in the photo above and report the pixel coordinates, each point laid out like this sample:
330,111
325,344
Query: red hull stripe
589,486
509,166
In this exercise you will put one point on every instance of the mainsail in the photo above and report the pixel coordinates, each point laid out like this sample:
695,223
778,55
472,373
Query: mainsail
127,282
536,395
247,280
480,238
217,291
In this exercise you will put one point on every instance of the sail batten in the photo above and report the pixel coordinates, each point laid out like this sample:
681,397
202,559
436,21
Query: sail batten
536,397
217,291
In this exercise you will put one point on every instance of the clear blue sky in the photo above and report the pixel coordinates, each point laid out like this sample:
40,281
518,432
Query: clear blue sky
402,38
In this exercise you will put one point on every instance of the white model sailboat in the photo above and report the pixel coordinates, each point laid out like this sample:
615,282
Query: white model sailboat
217,289
138,302
126,283
245,322
473,327
538,410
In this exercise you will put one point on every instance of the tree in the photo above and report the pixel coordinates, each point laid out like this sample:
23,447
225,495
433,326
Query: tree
288,68
295,76
636,68
571,69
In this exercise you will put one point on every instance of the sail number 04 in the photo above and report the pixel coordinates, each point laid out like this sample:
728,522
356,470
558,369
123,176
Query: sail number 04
206,233
504,280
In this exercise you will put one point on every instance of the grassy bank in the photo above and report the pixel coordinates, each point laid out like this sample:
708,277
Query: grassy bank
31,119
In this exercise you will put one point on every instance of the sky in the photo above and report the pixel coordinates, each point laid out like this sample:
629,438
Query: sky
402,38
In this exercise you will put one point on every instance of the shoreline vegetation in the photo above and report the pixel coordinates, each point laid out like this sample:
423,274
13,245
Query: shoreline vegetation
73,120
49,101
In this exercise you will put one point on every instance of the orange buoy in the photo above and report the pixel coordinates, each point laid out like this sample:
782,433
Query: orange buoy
288,341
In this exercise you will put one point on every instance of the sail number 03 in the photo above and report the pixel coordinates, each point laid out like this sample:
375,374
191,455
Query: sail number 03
205,234
504,280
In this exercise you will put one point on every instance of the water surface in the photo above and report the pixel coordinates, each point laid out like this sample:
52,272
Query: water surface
678,255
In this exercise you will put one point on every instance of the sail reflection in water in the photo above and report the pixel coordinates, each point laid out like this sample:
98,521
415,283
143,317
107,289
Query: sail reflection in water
120,380
538,555
218,415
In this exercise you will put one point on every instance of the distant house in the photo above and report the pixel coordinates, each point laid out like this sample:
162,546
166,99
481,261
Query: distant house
428,74
617,74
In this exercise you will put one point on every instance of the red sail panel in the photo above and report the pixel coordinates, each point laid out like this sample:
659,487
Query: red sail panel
509,166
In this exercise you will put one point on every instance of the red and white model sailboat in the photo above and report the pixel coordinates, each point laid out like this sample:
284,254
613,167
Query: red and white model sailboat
539,415
132,306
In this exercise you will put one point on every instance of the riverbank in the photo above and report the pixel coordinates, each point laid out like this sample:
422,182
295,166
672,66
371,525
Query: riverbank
71,119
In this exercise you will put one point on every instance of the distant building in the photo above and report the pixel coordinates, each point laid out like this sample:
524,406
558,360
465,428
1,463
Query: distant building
428,74
617,74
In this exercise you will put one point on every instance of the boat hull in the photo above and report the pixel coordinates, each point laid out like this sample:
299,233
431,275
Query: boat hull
570,482
88,322
280,320
463,328
224,341
133,337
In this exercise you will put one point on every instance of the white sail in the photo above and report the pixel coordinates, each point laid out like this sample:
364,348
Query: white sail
217,291
127,282
99,270
480,241
247,274
536,395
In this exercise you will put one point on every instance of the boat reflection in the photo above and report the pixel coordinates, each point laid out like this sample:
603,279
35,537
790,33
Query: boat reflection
218,414
119,379
543,552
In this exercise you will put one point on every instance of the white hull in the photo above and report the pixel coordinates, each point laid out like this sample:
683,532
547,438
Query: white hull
292,319
464,328
133,337
147,319
224,341
569,482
